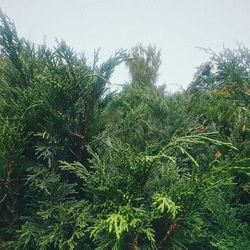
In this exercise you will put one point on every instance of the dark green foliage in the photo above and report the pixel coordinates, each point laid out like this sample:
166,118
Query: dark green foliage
51,104
142,116
54,219
83,168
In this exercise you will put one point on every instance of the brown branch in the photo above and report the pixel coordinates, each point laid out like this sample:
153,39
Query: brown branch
168,232
85,124
73,153
88,143
82,144
143,178
85,118
76,135
134,242
11,191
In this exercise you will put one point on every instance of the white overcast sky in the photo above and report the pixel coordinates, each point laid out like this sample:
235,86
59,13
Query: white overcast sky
176,27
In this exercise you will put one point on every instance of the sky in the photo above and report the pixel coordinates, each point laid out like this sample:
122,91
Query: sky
177,27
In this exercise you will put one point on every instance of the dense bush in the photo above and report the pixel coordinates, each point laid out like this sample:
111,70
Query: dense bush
84,168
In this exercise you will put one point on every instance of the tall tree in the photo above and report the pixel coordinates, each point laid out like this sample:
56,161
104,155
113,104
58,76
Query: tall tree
144,65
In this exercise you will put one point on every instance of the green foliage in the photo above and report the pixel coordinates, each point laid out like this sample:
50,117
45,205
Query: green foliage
51,105
162,203
131,201
53,217
144,65
84,168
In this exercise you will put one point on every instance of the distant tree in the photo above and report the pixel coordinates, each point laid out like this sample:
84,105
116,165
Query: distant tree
144,64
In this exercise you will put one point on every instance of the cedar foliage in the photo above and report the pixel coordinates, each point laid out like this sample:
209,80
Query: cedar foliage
84,168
